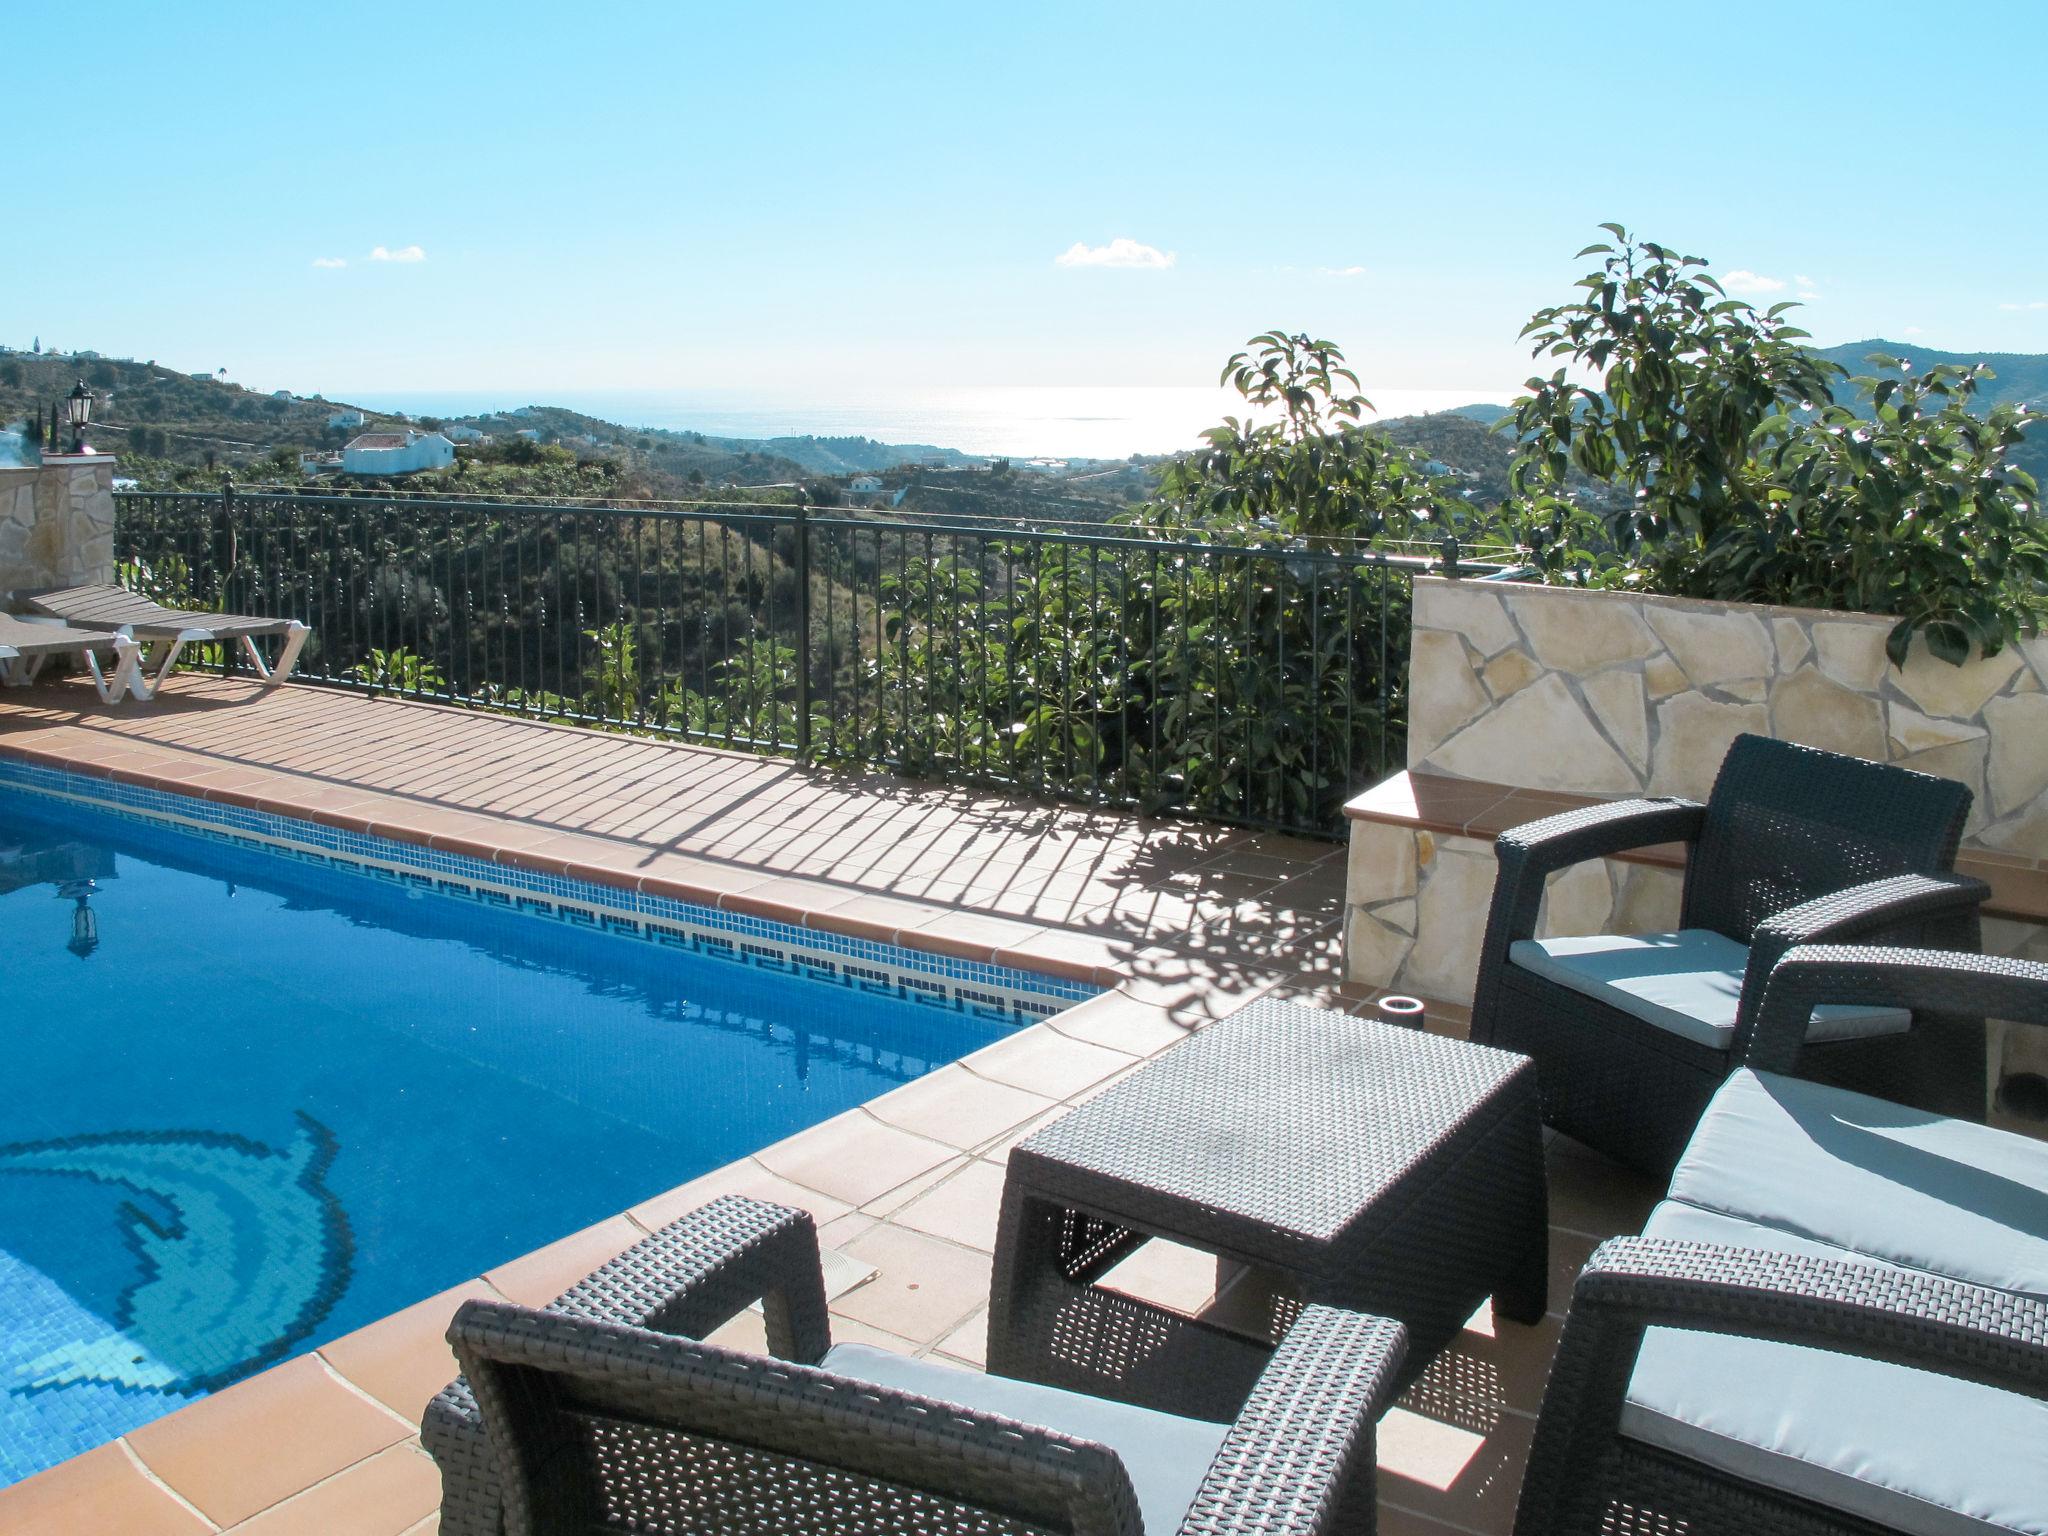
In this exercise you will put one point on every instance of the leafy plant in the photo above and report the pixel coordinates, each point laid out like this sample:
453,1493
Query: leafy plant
1673,379
1909,507
1313,470
400,671
1736,475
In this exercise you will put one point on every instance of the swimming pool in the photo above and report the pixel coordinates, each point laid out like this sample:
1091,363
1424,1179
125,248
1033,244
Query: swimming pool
270,1082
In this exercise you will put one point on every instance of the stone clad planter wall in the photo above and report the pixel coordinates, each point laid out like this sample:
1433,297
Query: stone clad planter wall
1546,688
57,524
1620,694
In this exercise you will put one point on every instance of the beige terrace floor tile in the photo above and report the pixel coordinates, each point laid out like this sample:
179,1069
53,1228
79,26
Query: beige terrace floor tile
385,1495
537,1278
1509,1360
967,1344
1401,1522
958,1107
1168,1275
1122,1023
853,1157
1593,1196
924,1287
887,1205
103,1490
998,1151
1046,1062
404,1359
1448,1473
308,1424
963,1208
745,1177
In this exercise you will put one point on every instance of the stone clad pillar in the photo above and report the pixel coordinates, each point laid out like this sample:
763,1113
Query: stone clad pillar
57,524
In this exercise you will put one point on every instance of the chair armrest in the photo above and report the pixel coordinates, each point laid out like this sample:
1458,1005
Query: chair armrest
1870,910
1924,980
1300,1458
1529,854
694,1274
1994,1338
1598,831
704,1268
537,1373
1903,1317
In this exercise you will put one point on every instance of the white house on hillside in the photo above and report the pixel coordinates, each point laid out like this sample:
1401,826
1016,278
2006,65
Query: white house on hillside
461,434
396,453
345,419
870,490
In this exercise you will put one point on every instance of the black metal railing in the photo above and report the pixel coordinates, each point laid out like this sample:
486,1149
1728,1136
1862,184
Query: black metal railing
1255,683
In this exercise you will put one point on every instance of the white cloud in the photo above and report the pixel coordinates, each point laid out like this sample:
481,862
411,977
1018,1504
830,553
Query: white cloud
1743,281
1803,280
1120,252
2035,304
403,253
1341,271
330,261
1914,330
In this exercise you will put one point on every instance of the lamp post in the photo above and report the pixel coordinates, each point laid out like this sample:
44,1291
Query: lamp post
77,412
85,926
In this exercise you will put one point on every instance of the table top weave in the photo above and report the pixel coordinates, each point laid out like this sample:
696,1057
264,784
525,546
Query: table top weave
1295,1119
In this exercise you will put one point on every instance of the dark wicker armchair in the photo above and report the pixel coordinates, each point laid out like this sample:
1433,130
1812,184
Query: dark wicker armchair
1632,1034
607,1412
1837,1320
1591,1470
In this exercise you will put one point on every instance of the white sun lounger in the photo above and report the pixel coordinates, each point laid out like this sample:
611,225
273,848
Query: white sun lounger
25,644
167,631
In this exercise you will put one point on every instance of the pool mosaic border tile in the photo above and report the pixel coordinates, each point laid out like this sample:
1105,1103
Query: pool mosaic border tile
981,989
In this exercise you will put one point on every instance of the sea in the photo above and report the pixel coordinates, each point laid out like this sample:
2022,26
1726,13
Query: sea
1017,421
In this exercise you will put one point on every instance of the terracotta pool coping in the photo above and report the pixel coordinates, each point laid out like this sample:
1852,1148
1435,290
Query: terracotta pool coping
526,846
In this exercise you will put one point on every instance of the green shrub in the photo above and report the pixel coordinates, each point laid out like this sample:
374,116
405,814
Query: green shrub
1738,476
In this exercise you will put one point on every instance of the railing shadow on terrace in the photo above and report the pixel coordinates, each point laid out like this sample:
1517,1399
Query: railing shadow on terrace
1257,682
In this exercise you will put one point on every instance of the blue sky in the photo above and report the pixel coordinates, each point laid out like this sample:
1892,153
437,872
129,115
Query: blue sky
802,197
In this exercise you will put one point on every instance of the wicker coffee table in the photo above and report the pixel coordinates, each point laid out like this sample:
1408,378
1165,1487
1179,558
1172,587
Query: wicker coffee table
1375,1168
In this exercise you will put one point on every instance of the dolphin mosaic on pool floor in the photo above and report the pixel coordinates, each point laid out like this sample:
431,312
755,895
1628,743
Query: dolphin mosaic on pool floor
239,1251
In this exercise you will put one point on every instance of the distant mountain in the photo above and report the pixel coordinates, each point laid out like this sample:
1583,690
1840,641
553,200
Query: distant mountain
2022,376
1462,440
1485,415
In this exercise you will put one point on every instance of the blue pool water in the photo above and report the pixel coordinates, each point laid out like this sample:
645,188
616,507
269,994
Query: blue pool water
270,1103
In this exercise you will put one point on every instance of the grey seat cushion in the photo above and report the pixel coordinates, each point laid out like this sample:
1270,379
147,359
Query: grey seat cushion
1165,1456
1688,982
1907,1449
1873,1178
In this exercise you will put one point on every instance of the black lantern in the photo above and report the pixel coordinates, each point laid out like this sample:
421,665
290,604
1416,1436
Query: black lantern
77,412
85,925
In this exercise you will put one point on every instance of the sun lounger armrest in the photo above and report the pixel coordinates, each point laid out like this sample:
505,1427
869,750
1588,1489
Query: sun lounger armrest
1300,1458
703,1269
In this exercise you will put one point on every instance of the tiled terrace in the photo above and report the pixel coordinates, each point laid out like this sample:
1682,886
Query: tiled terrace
1185,924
